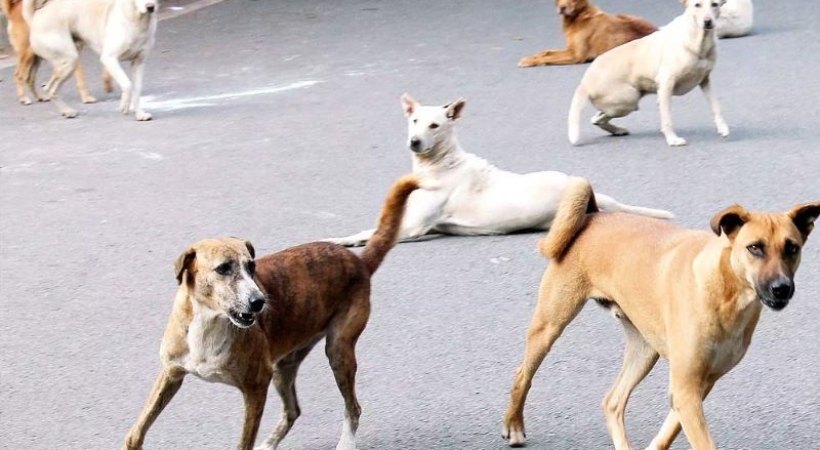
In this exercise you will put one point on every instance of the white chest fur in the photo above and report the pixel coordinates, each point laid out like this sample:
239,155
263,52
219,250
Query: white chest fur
209,340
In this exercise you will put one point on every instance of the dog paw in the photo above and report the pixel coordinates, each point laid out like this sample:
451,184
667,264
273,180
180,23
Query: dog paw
529,61
69,113
723,129
143,116
515,438
617,131
24,101
675,141
89,99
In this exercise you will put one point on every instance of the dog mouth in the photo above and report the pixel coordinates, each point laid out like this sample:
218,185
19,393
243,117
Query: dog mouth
240,319
774,304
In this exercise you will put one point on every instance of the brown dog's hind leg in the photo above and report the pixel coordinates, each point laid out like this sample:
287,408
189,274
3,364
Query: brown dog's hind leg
79,77
284,380
558,304
639,359
165,387
343,333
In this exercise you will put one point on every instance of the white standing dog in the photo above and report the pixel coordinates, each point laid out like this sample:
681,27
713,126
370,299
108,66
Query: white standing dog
671,61
114,29
736,18
469,196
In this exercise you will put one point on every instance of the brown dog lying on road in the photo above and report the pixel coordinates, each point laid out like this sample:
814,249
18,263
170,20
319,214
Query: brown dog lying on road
589,32
690,296
224,328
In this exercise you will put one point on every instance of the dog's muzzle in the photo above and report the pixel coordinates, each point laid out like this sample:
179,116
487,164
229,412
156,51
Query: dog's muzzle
708,24
415,144
247,319
150,8
778,294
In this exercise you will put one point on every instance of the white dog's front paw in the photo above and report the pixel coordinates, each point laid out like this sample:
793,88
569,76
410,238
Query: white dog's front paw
69,113
143,116
675,141
722,129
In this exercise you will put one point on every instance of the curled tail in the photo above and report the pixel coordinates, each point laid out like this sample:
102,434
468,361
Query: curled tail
575,109
577,202
28,10
387,230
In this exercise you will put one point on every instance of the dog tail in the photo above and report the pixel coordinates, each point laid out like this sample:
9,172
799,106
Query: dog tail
6,5
387,230
577,202
578,101
28,9
608,203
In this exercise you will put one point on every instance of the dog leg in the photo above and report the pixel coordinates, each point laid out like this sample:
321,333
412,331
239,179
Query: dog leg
342,357
706,87
79,77
254,397
111,63
639,359
602,120
664,104
557,307
137,71
24,76
553,57
165,387
106,80
284,380
62,70
670,428
688,391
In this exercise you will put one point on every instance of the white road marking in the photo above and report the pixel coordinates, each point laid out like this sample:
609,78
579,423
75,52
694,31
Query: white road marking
152,102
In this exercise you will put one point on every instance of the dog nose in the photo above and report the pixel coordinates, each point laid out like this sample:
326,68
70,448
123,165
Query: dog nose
257,304
415,143
707,23
150,7
782,289
562,9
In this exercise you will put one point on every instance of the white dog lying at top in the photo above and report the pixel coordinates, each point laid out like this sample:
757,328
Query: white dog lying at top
670,61
468,195
736,18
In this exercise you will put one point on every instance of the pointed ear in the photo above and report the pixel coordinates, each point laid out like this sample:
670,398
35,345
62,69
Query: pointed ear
408,104
729,220
454,109
184,262
804,216
251,250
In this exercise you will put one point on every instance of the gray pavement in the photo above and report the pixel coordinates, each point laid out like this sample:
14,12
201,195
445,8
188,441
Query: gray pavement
279,121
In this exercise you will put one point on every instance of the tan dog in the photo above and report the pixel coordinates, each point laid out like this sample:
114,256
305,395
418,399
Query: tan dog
223,330
590,32
690,296
27,62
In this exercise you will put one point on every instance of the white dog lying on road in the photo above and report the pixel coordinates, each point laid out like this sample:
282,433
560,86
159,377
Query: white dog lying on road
736,18
114,29
468,195
672,60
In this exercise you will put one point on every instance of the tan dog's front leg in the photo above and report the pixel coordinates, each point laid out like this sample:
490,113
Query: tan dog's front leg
552,57
688,393
664,104
254,407
670,428
166,385
706,87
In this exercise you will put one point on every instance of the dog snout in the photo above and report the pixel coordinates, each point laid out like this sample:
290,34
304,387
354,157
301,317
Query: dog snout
782,289
415,143
708,24
257,304
150,7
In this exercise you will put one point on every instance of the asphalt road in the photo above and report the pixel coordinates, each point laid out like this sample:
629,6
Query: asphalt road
279,121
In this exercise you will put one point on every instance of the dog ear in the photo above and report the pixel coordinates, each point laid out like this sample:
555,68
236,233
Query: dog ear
454,109
251,250
729,220
804,216
408,104
183,263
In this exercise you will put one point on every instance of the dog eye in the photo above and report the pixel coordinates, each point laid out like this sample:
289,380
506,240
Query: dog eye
697,5
415,120
224,268
791,249
756,250
714,5
434,125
